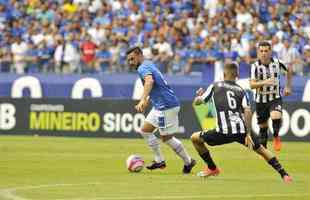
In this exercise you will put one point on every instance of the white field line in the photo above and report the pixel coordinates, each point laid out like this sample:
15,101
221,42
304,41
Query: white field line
215,196
9,194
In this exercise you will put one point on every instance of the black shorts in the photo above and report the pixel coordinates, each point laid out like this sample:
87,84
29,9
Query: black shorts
214,138
263,110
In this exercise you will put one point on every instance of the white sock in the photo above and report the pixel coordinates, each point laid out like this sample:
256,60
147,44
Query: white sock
152,141
179,149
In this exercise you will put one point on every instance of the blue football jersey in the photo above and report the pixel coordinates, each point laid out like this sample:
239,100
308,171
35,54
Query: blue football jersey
162,96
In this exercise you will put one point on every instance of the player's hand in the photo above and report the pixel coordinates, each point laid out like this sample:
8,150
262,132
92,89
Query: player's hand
141,106
270,82
249,142
200,92
198,101
287,91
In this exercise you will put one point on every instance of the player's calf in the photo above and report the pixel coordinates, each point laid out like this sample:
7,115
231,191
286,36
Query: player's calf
276,125
263,136
274,163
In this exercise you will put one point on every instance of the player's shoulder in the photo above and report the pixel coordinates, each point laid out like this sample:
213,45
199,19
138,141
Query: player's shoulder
255,64
277,60
241,89
146,65
230,85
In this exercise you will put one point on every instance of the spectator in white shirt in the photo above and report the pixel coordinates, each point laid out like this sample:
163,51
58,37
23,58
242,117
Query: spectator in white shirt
291,57
19,49
66,55
97,33
211,6
165,53
243,17
277,44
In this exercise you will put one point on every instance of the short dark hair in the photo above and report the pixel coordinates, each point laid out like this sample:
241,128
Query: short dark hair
232,67
264,44
134,49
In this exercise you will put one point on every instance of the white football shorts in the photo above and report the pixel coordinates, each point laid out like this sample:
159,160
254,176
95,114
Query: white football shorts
167,121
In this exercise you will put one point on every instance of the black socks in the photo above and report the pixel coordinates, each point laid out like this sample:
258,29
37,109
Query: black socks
207,158
277,166
263,136
276,125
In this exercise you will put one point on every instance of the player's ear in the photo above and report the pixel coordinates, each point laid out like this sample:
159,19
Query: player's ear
237,75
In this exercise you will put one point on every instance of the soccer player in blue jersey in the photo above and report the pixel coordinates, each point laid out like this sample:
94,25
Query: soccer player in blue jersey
163,115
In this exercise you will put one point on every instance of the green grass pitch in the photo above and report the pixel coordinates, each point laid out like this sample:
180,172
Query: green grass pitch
59,168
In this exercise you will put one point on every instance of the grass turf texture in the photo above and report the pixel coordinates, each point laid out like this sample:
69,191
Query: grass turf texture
59,168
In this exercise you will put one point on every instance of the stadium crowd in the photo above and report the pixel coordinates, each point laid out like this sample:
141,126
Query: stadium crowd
181,36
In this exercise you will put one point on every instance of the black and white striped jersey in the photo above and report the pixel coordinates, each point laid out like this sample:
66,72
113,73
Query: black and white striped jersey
229,100
261,72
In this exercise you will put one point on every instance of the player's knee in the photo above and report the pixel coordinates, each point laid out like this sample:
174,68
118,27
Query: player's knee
263,125
143,132
147,128
258,147
165,138
275,115
195,137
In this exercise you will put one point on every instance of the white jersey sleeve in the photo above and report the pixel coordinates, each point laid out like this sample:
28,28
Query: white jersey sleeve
208,93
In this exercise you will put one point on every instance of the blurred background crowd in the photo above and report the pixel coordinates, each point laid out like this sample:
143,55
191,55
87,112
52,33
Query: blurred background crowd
181,36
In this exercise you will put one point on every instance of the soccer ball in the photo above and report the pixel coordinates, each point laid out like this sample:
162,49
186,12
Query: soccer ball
135,163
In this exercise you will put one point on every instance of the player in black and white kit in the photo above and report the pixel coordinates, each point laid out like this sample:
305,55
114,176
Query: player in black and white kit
265,78
233,123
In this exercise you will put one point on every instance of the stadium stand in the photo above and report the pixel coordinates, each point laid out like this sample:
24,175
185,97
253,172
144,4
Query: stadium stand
182,36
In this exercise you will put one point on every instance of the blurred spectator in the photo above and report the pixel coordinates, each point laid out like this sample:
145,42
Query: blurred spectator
291,57
243,17
306,60
69,7
277,44
94,6
252,52
166,29
165,54
81,3
66,55
32,58
88,54
177,64
197,58
5,60
19,49
45,55
147,50
103,58
97,33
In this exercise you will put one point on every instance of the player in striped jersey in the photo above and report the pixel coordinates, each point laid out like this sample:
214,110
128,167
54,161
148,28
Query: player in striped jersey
233,123
265,78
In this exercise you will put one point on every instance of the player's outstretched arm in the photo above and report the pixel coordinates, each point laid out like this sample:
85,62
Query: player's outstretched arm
148,85
203,96
254,84
248,118
199,99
